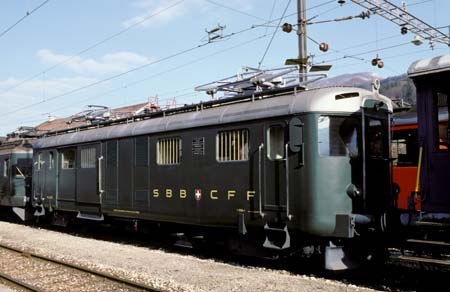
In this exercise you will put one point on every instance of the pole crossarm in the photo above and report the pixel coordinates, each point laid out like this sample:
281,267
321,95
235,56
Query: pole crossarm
402,18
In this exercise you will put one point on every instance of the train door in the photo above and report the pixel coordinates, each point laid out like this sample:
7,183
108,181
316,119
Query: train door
88,172
50,178
39,176
45,177
67,177
274,168
376,172
438,153
5,180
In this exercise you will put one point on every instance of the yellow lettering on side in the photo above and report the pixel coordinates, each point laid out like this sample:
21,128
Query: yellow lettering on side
183,194
250,194
155,193
213,195
168,193
231,193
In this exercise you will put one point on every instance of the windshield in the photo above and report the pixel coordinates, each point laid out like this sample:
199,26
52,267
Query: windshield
338,136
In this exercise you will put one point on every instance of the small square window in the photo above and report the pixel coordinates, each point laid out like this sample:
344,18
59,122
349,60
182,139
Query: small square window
68,158
232,145
168,151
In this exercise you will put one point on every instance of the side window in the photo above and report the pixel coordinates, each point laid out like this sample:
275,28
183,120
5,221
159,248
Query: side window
275,142
441,123
67,158
168,151
88,157
405,147
6,168
40,161
51,158
338,136
232,145
375,131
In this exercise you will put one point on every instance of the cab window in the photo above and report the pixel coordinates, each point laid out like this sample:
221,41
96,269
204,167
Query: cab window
275,142
338,136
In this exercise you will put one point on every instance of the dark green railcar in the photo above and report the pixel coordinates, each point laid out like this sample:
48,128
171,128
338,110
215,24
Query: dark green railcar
302,170
15,175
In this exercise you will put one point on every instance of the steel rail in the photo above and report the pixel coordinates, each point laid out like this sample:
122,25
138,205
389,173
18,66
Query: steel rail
120,280
16,282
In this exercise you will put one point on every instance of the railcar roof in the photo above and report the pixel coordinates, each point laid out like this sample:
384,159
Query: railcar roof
429,66
410,117
329,99
405,118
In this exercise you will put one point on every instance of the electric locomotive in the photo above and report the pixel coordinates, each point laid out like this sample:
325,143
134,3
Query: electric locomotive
287,168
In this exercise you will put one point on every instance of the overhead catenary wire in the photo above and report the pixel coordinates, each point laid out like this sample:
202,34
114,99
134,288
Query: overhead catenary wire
32,77
362,61
108,78
365,53
28,13
235,10
134,82
108,38
247,30
158,74
142,66
273,35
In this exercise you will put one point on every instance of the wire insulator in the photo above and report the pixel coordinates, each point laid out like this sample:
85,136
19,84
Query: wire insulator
323,47
287,27
404,30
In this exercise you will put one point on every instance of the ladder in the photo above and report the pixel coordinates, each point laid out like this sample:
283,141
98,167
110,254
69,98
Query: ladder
402,18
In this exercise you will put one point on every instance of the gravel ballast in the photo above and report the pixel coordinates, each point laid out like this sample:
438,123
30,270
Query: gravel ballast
162,270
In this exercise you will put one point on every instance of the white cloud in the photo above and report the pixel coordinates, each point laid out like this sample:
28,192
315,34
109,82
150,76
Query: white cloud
107,64
26,102
166,10
16,93
169,10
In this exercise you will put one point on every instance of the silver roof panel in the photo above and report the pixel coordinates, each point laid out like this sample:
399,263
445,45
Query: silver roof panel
431,65
314,100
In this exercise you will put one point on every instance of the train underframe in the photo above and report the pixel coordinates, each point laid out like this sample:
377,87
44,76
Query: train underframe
362,242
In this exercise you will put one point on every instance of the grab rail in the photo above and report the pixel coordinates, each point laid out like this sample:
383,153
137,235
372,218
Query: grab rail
260,148
287,181
100,184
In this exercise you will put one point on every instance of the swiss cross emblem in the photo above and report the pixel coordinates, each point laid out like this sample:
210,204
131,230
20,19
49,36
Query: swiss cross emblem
198,194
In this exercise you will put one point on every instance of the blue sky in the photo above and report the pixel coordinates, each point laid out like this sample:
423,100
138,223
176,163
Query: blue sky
68,54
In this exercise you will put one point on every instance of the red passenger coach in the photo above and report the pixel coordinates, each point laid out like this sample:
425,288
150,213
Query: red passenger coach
405,152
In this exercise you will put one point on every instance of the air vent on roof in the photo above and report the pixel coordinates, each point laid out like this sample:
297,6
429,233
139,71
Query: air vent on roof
346,95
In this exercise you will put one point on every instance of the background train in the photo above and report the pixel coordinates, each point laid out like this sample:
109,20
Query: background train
289,169
405,154
422,168
433,91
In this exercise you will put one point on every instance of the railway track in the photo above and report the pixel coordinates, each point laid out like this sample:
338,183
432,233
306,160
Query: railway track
406,270
423,254
34,272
